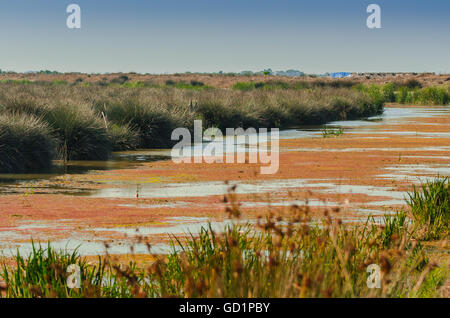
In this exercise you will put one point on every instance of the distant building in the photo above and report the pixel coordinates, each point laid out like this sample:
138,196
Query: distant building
290,73
340,74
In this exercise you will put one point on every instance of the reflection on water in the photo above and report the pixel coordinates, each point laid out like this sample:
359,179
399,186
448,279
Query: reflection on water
119,160
139,156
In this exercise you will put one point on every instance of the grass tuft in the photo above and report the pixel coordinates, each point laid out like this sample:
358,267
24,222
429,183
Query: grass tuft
26,144
123,137
430,206
332,132
43,274
81,134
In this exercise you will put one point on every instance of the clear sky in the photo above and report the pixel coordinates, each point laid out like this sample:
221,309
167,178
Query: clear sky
159,36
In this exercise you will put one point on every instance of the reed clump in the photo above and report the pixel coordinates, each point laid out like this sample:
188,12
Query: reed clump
123,137
88,122
80,133
26,143
408,93
430,206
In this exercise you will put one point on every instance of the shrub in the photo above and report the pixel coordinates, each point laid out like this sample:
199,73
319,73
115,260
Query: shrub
433,95
260,85
402,95
120,80
413,83
59,82
193,85
244,86
197,83
376,93
388,92
134,84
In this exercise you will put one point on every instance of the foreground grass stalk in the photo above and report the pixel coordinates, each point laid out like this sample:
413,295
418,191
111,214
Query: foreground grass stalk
430,206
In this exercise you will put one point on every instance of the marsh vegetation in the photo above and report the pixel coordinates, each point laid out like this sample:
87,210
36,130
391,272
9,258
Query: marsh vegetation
88,122
284,254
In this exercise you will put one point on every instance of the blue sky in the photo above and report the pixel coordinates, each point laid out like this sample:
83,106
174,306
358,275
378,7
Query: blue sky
166,36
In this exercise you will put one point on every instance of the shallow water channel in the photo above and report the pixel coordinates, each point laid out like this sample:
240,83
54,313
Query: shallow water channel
48,183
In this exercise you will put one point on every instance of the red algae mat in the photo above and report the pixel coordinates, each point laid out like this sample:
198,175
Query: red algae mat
365,171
